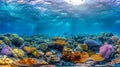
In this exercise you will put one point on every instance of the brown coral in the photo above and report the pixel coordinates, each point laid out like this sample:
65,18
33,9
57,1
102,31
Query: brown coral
76,57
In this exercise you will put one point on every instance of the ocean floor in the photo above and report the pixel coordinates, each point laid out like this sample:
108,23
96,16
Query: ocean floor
68,50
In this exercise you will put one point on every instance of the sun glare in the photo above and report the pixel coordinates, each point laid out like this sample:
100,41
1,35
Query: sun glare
75,2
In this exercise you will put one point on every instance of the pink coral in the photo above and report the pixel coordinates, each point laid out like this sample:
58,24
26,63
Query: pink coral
106,50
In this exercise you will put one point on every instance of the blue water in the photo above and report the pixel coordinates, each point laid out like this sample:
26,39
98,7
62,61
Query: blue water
57,17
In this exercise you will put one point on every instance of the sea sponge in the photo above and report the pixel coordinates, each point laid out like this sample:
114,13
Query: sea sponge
29,49
106,50
18,52
6,50
17,41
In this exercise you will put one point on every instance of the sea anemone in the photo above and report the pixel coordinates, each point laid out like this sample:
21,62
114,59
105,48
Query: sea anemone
17,41
6,50
18,52
106,50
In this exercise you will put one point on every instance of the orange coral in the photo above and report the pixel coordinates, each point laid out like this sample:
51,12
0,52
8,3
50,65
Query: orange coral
29,49
28,61
61,42
97,57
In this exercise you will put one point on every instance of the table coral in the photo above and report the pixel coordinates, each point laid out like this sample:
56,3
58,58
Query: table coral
29,49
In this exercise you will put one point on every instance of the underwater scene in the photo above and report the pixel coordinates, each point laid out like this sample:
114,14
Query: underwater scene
59,33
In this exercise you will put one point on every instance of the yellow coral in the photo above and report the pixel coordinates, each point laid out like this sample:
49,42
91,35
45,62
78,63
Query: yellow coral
118,50
5,60
61,42
67,49
37,53
18,52
43,62
1,41
29,49
97,57
84,47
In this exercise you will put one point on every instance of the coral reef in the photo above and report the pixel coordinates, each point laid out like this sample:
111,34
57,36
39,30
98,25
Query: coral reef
86,50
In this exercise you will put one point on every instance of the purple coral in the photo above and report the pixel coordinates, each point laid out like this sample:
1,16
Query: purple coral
106,50
6,50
